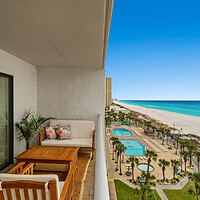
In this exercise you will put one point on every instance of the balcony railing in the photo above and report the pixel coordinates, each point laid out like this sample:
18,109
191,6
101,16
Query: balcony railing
101,190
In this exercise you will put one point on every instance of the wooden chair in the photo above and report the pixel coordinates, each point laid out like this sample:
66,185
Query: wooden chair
22,168
24,185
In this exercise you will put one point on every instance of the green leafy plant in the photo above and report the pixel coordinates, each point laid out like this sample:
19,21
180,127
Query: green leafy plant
30,126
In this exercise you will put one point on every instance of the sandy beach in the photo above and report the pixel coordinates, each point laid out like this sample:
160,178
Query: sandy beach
189,123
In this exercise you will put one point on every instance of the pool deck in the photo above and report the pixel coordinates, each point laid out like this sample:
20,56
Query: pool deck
152,144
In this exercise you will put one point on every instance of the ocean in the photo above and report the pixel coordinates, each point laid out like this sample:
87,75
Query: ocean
183,107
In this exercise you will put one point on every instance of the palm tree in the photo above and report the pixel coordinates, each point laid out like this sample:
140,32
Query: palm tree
151,155
185,156
163,164
175,164
182,143
177,139
191,147
113,139
121,149
116,142
197,154
195,177
117,149
181,163
133,161
145,187
108,120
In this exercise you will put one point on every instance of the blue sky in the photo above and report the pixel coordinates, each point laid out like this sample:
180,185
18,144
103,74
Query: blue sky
154,49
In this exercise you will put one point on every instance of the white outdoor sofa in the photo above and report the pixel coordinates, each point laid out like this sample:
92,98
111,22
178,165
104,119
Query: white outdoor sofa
83,135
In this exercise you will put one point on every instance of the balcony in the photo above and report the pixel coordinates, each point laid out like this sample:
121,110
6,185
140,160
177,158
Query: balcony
53,56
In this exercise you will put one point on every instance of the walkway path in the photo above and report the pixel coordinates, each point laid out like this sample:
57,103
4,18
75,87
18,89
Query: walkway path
135,130
161,193
178,186
162,147
151,145
125,181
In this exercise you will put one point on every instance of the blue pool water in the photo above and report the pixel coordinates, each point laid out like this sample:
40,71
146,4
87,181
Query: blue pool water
122,132
134,147
183,107
143,167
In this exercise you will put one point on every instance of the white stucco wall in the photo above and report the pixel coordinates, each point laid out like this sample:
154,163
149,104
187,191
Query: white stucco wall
25,89
71,93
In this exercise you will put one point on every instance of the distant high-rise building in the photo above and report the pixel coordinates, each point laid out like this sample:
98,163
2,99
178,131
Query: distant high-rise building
108,91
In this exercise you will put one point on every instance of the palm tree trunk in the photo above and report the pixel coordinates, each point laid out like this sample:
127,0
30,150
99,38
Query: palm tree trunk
174,172
190,161
185,165
197,193
116,157
181,165
143,196
198,163
148,165
120,164
117,160
133,178
113,154
163,175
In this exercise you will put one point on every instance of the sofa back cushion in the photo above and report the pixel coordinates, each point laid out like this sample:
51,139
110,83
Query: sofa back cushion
79,128
50,133
38,178
64,133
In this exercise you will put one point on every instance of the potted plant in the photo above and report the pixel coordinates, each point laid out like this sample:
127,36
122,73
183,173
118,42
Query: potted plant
30,126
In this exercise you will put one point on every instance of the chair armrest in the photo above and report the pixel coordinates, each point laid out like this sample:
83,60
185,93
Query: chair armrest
42,136
17,169
67,191
28,170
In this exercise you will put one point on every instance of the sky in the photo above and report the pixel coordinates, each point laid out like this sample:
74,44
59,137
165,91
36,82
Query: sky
154,49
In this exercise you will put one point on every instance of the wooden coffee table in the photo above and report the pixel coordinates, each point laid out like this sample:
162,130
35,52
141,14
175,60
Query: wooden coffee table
50,154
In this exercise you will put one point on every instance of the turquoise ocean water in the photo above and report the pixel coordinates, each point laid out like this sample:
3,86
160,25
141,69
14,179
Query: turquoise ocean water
183,107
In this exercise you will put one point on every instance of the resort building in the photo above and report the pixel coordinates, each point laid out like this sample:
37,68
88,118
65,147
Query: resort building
52,61
108,91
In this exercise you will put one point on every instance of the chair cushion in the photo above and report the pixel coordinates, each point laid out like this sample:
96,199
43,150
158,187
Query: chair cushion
39,178
79,128
74,142
61,184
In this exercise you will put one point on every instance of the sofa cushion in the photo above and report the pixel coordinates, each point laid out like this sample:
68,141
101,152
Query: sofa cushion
50,133
76,142
64,133
79,128
39,178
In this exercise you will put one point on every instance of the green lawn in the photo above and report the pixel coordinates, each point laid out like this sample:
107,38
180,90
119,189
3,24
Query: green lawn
124,192
180,194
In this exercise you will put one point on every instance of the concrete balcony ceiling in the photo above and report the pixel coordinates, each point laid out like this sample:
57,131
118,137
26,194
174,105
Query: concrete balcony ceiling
56,33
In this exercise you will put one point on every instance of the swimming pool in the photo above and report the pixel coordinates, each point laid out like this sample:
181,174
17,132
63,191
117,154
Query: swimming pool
122,132
134,147
143,167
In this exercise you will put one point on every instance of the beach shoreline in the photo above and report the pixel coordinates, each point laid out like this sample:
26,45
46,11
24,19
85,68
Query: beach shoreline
189,123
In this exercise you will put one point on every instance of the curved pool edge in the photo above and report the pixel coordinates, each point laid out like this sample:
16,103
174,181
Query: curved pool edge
122,132
153,168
